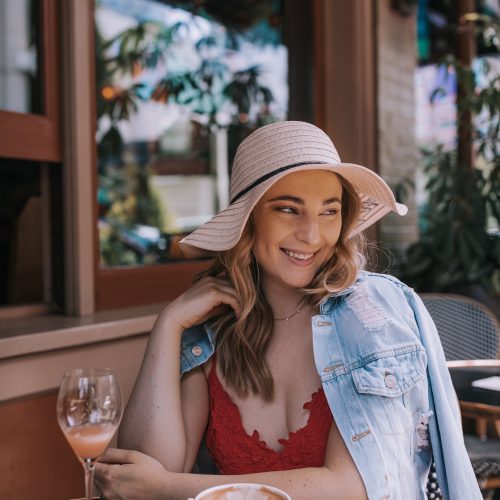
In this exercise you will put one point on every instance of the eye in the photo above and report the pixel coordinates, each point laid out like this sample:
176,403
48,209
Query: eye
286,209
331,212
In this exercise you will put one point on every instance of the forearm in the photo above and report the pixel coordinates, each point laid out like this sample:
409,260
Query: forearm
153,421
301,484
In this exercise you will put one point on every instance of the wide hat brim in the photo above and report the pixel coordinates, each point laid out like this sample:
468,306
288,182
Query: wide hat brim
224,230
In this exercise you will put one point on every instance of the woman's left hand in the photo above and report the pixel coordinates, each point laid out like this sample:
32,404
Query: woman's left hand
127,475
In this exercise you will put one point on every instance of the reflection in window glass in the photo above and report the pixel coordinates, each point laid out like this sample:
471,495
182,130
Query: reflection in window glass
179,86
19,79
21,233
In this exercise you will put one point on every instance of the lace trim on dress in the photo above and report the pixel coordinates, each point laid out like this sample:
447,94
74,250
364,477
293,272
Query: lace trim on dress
237,452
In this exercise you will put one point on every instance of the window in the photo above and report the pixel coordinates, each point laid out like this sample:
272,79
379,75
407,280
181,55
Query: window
20,88
435,82
459,63
29,90
30,177
179,85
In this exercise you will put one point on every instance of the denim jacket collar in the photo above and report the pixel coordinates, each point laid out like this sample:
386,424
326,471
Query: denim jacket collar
326,305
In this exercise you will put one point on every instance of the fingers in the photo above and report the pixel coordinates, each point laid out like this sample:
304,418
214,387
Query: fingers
100,475
106,479
202,301
224,292
224,295
216,311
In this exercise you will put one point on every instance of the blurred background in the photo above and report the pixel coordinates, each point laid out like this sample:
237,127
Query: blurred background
119,120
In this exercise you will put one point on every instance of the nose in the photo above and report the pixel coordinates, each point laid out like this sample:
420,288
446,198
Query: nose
308,230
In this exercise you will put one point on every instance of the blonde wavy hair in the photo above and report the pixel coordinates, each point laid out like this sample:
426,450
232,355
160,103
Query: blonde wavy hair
242,342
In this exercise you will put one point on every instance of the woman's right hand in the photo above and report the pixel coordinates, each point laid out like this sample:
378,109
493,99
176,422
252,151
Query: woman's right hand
207,298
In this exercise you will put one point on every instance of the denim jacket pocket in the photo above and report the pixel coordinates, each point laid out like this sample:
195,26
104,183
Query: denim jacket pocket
382,381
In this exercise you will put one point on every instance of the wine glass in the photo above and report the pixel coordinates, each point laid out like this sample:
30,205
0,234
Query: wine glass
89,409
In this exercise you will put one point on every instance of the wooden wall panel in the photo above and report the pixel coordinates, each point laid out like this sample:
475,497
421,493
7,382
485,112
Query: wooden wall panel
36,463
132,286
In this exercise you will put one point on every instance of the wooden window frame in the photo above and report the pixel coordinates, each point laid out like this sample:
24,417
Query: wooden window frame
157,283
40,133
125,287
115,288
36,137
88,288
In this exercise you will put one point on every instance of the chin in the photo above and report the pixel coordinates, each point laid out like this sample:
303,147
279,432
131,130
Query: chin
299,282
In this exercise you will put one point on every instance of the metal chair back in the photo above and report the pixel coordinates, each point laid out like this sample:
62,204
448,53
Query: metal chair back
467,329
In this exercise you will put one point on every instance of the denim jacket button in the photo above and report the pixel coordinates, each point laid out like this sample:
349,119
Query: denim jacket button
390,381
196,350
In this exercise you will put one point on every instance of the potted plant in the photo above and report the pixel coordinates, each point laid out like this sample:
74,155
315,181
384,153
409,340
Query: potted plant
459,246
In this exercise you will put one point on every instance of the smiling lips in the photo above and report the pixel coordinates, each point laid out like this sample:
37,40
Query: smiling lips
302,259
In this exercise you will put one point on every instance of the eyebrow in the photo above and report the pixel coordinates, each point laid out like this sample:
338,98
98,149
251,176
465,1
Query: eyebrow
300,201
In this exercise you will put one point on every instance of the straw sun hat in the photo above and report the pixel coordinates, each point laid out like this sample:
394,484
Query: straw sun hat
267,155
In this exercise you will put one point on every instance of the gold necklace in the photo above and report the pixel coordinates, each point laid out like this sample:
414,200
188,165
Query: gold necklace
291,315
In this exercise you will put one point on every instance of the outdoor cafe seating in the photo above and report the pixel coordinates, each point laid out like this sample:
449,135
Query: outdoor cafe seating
470,335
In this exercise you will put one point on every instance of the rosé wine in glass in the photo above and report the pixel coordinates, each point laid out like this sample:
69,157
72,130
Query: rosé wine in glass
90,440
89,409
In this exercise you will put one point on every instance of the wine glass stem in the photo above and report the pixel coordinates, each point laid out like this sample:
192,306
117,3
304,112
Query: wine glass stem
88,465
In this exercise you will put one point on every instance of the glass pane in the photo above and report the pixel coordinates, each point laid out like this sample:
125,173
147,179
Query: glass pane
178,89
21,233
20,88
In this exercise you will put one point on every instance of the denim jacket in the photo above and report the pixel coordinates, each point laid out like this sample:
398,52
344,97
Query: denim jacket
384,374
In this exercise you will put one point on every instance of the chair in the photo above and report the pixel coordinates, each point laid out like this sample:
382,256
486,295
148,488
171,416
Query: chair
467,329
469,333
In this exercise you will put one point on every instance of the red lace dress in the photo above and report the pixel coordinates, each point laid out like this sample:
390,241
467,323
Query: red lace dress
236,452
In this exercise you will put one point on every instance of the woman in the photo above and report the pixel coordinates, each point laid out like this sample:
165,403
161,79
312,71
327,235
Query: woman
305,372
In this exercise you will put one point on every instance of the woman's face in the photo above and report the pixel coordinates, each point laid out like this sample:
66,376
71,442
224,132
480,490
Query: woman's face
297,225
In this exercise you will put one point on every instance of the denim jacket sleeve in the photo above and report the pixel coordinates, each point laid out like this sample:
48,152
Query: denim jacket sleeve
456,477
197,346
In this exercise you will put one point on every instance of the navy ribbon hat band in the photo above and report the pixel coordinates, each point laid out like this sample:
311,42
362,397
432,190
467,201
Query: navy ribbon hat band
260,180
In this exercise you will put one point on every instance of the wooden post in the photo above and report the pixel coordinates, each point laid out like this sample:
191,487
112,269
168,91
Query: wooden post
465,53
79,155
345,79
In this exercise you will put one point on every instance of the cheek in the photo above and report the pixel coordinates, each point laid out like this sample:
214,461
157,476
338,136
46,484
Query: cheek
332,234
267,236
331,239
260,246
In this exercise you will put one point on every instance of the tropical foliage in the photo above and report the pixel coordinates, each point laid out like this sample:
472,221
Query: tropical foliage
460,242
126,199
